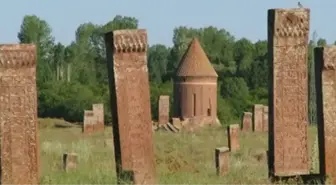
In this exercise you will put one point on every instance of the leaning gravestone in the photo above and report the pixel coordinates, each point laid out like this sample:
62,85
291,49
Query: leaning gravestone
18,115
130,105
288,32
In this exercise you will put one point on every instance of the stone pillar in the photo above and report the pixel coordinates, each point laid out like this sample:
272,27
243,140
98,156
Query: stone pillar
89,122
258,118
222,160
130,104
70,161
325,75
163,110
288,31
98,111
247,121
18,115
265,119
233,137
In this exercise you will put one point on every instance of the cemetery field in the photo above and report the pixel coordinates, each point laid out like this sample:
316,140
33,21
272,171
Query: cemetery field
180,157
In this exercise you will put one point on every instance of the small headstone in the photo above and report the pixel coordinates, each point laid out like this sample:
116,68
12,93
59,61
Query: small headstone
247,121
233,137
222,160
258,118
70,161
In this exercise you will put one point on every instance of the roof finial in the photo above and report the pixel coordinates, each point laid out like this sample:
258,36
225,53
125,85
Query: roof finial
300,5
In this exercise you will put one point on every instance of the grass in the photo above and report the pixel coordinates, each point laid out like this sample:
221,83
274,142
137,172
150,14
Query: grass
182,158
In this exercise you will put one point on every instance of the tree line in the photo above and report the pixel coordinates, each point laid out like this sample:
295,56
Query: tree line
70,78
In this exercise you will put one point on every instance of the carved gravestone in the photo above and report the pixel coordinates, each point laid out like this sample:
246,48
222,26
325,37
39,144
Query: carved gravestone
233,137
89,122
222,160
163,110
18,115
325,74
258,118
130,105
265,119
247,121
288,31
98,111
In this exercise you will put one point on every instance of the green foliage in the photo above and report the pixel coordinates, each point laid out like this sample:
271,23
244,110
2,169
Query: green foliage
71,78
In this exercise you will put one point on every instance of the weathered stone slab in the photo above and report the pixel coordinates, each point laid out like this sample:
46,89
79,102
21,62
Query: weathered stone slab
177,123
325,74
130,102
247,121
163,110
288,31
98,111
265,119
233,137
222,160
70,161
18,115
89,122
258,118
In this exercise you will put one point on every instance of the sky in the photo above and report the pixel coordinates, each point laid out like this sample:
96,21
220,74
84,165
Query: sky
242,18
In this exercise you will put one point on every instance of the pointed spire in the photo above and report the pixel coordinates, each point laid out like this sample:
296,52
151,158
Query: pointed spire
195,62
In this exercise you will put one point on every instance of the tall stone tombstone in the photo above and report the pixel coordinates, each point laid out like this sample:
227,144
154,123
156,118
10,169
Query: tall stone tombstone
163,110
233,137
288,31
258,118
265,119
130,105
247,121
18,115
98,111
325,75
88,122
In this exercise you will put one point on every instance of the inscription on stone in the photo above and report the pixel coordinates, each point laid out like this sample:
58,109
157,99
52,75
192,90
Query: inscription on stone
18,115
288,31
325,68
163,110
258,117
130,105
247,121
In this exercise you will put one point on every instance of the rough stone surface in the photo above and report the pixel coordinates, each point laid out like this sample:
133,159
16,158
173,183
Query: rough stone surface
325,60
70,161
222,160
18,115
288,31
258,118
247,121
130,105
89,122
98,111
265,119
233,137
163,110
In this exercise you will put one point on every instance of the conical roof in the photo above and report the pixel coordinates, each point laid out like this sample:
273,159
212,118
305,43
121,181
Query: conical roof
195,62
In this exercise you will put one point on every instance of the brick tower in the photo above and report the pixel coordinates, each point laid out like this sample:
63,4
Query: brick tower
195,87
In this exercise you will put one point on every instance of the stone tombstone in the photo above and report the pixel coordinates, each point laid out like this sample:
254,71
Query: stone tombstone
265,119
70,161
130,104
89,122
288,31
325,75
247,121
258,118
18,114
98,111
222,160
233,137
163,110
